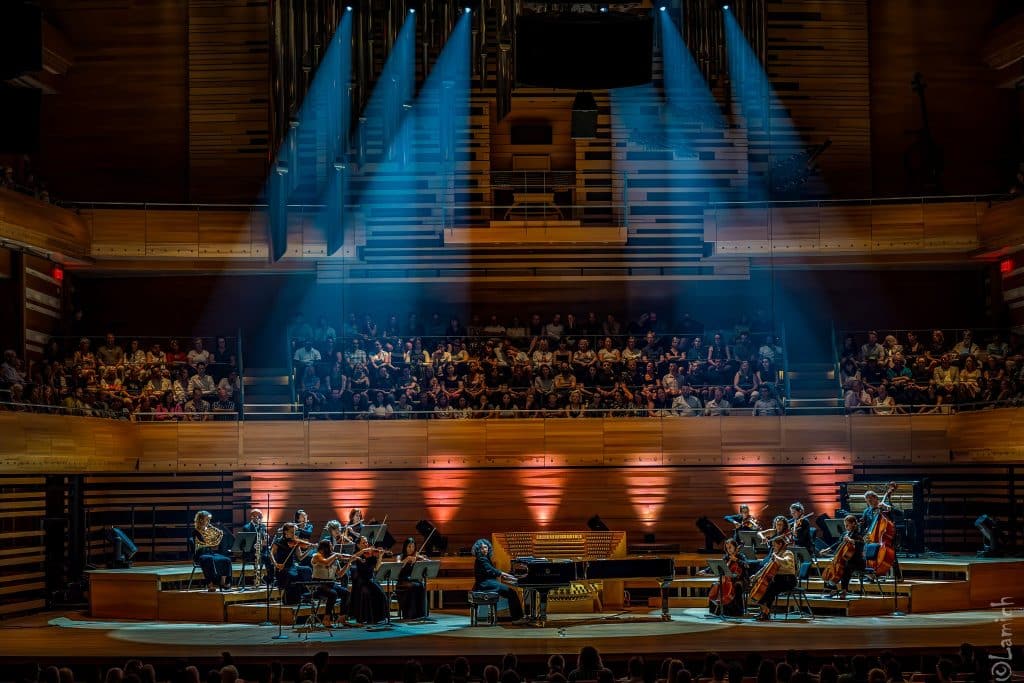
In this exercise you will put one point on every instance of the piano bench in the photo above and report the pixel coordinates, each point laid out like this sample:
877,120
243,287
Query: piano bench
478,599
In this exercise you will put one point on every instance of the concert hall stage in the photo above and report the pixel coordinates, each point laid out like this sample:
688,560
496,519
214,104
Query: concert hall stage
949,600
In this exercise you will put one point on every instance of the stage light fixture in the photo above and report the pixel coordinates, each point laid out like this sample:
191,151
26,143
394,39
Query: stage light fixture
603,8
725,7
412,10
348,8
662,8
469,10
123,548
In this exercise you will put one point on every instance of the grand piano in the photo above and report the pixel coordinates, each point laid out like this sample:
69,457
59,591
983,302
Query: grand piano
538,576
551,562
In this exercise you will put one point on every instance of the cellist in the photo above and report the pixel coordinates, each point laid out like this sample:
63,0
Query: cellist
879,532
779,575
729,596
852,560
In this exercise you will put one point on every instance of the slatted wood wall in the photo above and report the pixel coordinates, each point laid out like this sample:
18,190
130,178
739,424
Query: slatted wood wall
818,65
44,304
228,113
22,544
155,511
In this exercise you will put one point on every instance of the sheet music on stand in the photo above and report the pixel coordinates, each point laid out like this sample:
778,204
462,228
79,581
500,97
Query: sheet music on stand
387,572
375,533
718,567
425,569
751,539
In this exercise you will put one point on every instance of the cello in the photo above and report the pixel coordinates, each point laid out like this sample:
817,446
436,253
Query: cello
833,573
724,592
883,535
763,578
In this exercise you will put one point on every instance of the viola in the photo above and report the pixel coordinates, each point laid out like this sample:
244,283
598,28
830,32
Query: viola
833,573
883,534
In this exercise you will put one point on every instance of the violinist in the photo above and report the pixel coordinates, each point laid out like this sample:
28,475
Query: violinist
354,529
744,521
780,574
333,532
326,564
285,552
206,540
849,552
779,528
730,600
412,595
800,526
488,578
369,603
303,527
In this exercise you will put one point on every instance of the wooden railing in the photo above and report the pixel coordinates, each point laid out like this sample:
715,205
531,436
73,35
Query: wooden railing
45,443
31,222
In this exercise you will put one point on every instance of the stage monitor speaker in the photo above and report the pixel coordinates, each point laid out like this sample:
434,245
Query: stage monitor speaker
19,120
21,38
584,51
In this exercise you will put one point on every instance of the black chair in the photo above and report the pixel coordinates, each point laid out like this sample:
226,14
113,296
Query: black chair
488,599
195,563
793,598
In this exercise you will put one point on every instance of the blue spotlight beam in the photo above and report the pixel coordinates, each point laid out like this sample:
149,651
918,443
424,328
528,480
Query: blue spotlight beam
771,133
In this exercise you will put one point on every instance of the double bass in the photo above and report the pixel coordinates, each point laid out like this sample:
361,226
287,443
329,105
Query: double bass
883,534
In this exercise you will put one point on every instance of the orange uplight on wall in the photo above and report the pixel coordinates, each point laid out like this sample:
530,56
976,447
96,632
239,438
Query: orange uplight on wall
1005,266
58,274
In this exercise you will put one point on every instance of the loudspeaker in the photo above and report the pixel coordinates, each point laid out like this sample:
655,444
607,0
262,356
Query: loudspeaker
584,116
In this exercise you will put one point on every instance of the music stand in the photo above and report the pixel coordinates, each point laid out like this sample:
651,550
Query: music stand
386,574
750,539
421,571
245,544
802,556
375,533
835,527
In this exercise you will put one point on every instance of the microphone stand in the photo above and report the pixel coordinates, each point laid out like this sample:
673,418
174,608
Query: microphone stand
896,612
266,620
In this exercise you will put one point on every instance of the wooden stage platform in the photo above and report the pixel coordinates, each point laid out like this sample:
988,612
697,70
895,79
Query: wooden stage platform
948,600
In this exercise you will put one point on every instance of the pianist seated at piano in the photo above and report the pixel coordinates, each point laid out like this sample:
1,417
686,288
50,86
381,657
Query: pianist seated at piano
488,578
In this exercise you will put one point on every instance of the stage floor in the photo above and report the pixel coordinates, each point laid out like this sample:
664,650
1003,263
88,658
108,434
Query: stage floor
52,636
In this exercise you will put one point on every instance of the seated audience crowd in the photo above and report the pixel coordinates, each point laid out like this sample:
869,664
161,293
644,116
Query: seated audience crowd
505,368
970,664
926,372
140,382
21,178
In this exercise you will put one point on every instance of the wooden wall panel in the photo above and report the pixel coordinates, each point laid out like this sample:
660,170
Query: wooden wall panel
45,443
22,550
228,105
117,131
28,221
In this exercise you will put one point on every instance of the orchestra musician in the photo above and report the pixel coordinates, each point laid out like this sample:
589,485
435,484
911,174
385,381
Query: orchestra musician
854,562
354,529
875,507
260,555
732,601
206,540
784,578
780,527
369,603
744,521
800,526
286,551
412,595
488,578
325,565
334,533
304,530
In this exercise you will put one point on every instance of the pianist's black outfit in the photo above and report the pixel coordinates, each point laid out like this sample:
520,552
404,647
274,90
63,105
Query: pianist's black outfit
292,572
369,603
486,576
412,595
